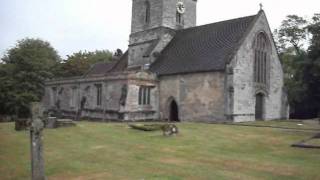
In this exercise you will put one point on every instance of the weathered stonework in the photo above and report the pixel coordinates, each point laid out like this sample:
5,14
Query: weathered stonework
111,107
162,14
145,45
242,80
200,96
149,38
70,92
134,111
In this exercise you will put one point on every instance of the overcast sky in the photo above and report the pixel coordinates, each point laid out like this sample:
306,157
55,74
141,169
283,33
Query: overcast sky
73,25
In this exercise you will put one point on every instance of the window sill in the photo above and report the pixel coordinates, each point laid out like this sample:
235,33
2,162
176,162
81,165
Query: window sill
145,107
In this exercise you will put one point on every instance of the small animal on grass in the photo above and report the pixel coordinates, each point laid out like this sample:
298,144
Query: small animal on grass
167,129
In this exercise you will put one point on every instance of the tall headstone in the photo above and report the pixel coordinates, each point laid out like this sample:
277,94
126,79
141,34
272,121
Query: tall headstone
37,161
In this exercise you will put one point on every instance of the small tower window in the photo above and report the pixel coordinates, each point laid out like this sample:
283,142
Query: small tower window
179,18
147,15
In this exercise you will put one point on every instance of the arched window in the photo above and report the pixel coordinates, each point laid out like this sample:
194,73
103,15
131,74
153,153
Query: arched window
179,18
147,15
261,59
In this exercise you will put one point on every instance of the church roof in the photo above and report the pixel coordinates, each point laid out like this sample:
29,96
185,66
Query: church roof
121,64
202,48
100,68
116,65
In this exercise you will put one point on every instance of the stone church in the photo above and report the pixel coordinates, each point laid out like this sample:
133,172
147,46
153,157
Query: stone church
177,71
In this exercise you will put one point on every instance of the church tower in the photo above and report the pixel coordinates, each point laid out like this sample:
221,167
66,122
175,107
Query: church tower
153,26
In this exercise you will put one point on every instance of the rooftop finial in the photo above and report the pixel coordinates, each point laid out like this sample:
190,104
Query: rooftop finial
261,6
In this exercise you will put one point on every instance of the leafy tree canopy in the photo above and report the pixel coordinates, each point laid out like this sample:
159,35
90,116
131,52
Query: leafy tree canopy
292,33
24,69
79,63
301,67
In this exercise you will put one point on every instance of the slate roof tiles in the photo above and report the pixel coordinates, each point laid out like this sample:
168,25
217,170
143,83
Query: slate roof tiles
202,48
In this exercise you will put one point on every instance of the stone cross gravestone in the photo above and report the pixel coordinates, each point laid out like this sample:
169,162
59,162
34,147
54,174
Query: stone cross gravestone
37,161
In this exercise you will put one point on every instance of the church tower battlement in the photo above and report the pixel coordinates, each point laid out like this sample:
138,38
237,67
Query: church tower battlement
153,26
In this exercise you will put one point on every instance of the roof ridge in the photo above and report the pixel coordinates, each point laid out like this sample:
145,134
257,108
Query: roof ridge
214,23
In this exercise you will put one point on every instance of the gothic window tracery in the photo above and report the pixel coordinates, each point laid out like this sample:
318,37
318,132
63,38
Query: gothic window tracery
261,57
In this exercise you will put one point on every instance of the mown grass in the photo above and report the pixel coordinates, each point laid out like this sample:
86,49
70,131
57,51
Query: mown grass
200,151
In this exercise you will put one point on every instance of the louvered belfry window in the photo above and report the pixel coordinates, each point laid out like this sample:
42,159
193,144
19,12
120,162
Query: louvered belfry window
178,18
147,15
261,59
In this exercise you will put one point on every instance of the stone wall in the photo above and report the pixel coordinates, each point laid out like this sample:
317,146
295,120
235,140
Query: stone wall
70,93
142,45
162,14
138,15
149,38
134,111
119,98
242,78
189,17
200,96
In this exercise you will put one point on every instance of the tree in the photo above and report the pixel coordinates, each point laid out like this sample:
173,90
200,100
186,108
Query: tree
301,67
26,67
79,63
312,66
291,33
6,87
290,38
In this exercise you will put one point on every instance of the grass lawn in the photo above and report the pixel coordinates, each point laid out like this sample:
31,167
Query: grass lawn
200,151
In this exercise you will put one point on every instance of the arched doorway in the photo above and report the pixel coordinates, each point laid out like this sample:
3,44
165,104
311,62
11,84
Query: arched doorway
173,111
259,107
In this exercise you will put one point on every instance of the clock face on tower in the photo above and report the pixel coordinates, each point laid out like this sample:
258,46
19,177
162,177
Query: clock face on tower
180,7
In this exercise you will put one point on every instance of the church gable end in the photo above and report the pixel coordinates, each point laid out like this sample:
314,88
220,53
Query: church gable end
257,77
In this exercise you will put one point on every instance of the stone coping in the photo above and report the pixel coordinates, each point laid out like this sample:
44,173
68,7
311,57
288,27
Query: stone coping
264,126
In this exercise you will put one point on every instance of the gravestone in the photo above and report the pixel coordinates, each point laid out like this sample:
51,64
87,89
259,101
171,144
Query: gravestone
51,123
37,161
